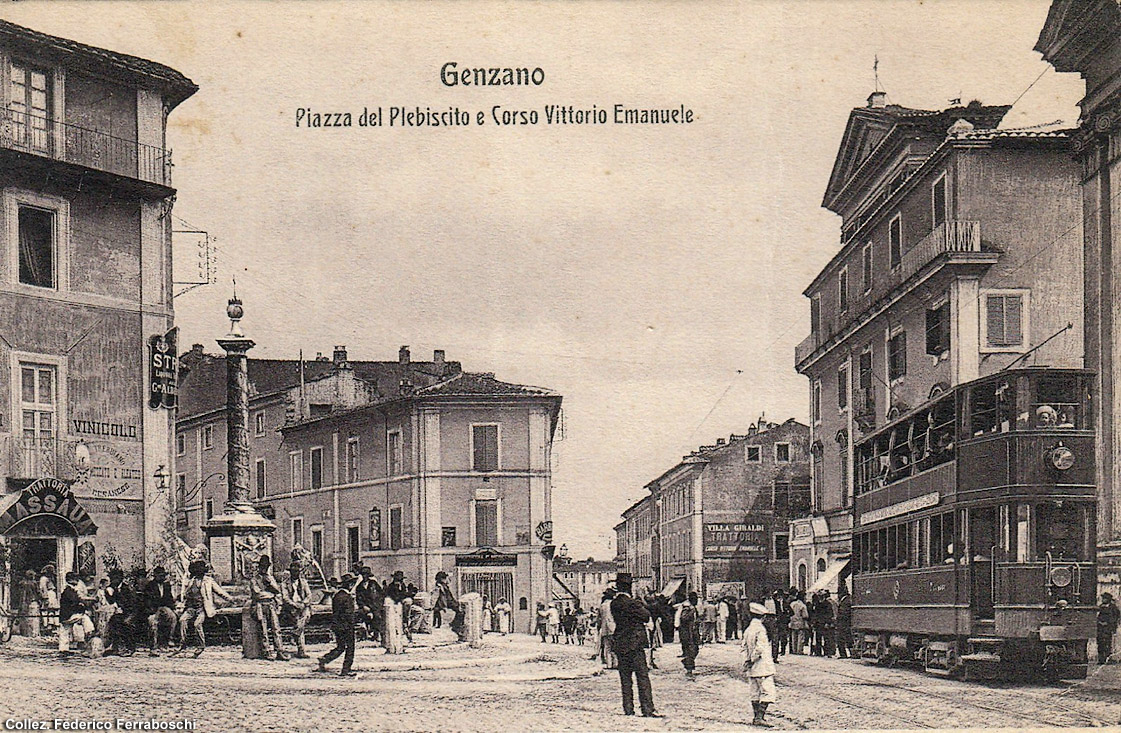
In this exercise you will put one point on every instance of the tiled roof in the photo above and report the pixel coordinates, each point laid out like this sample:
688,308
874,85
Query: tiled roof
466,383
179,87
204,387
1056,130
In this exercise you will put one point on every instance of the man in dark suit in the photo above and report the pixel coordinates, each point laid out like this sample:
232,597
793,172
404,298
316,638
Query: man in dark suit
159,605
630,617
343,613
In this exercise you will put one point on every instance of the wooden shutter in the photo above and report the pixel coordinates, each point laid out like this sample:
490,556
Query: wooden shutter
1004,314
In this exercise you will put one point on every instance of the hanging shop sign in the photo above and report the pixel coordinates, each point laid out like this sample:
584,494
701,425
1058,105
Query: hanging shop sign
375,529
163,369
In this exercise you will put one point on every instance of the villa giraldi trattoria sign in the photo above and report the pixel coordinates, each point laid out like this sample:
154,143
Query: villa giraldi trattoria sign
736,539
163,370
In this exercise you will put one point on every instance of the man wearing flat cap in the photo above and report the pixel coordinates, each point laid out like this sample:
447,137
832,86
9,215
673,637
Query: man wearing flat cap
630,616
759,664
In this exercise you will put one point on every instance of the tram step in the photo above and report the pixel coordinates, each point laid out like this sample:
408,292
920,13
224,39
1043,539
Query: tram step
982,657
982,641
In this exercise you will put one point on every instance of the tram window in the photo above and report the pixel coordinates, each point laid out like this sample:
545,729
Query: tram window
1057,402
1061,529
900,453
923,543
982,533
992,408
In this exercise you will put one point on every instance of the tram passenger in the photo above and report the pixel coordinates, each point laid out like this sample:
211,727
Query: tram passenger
1046,417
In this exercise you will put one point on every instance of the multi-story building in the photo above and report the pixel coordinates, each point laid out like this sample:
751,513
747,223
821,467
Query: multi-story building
633,540
717,521
954,263
1084,36
582,582
418,467
85,304
281,391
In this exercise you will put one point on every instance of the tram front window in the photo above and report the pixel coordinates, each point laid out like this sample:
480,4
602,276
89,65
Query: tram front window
1062,531
1058,403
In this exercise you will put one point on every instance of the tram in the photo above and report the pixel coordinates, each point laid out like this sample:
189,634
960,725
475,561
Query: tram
974,530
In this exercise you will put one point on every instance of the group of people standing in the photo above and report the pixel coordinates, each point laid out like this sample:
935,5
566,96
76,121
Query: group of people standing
823,623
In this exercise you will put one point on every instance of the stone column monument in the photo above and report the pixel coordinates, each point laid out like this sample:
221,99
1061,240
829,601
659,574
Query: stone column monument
239,536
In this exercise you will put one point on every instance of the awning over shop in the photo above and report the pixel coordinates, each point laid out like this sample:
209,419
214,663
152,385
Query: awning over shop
671,588
48,498
829,577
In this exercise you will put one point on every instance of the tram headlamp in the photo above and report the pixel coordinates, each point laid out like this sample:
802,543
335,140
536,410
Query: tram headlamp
1061,576
1062,457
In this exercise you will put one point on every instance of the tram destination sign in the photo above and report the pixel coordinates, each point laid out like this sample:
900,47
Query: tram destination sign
903,507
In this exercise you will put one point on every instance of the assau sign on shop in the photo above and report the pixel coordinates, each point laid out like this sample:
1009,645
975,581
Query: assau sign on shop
736,539
163,370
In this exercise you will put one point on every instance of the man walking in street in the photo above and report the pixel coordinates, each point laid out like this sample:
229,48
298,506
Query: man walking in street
686,621
630,617
1108,616
343,612
607,630
264,592
758,664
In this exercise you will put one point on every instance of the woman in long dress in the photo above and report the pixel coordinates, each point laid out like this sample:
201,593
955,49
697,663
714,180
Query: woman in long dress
488,615
502,616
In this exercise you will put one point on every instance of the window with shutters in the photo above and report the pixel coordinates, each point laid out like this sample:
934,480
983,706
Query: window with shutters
38,403
895,240
866,267
938,200
753,454
395,528
30,106
1004,322
352,455
486,522
815,406
815,315
897,355
259,470
867,393
297,531
843,289
296,470
938,330
393,455
484,447
843,387
316,457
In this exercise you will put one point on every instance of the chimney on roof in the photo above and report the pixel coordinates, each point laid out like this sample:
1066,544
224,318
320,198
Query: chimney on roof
403,356
339,356
720,441
877,99
319,356
438,357
751,429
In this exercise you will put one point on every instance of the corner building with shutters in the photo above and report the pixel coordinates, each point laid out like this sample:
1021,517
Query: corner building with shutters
85,283
960,255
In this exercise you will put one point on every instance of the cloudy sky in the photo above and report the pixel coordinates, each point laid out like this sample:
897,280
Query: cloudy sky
651,275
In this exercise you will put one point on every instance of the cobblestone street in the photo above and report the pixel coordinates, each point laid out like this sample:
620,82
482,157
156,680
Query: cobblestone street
516,683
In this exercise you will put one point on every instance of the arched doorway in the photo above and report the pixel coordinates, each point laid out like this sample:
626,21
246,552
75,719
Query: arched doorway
803,580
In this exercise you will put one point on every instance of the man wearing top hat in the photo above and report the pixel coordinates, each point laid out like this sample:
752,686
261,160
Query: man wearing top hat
758,663
630,616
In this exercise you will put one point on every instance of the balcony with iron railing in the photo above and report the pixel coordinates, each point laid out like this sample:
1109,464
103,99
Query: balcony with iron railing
82,146
950,241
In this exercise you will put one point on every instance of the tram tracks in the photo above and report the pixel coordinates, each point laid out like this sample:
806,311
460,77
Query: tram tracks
961,699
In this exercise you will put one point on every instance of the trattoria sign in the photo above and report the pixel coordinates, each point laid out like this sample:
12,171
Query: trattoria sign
46,496
736,539
163,370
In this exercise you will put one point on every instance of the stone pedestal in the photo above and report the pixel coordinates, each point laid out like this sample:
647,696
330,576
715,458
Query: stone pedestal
472,606
394,639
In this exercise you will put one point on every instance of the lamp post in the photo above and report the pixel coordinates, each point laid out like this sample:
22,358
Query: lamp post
239,536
